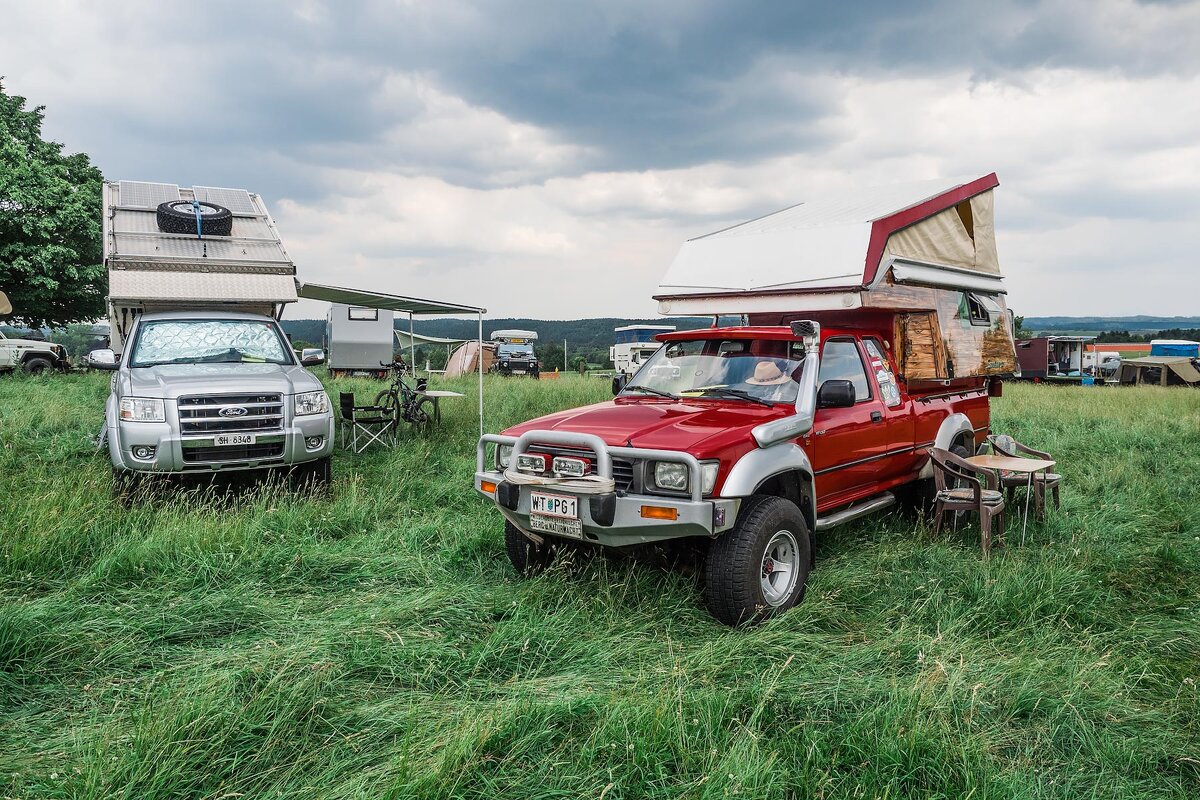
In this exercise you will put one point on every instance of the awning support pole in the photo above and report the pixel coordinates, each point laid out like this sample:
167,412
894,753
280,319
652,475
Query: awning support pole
479,353
412,346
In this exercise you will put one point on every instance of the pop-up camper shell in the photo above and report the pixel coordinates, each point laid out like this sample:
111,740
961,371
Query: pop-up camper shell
923,254
151,270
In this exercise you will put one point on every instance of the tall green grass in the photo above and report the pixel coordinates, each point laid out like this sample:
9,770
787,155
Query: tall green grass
376,643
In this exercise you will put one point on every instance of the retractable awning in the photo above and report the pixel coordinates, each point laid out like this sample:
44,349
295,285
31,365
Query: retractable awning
388,302
413,306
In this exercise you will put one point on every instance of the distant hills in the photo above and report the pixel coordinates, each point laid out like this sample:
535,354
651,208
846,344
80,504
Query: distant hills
1094,325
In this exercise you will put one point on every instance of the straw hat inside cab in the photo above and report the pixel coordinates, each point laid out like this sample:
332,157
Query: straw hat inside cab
767,373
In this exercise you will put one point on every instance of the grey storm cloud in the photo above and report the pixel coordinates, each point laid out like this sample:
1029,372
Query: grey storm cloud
639,85
405,141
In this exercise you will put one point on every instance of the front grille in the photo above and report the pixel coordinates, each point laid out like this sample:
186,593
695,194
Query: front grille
246,452
623,469
201,413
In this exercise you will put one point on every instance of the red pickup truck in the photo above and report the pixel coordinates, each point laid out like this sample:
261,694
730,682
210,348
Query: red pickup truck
753,438
750,440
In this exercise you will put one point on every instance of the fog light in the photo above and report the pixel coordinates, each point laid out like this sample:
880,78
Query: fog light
144,452
314,442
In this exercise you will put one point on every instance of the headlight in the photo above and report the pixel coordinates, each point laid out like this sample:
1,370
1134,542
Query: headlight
311,403
504,455
674,477
142,409
669,475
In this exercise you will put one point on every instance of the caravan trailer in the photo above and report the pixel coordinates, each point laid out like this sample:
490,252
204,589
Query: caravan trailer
635,344
877,328
358,339
1057,359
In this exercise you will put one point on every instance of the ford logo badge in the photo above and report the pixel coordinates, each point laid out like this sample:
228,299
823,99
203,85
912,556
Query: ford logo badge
232,411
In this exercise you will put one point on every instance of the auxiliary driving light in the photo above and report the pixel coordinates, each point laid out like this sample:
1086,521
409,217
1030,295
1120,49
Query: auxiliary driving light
569,467
144,452
314,442
531,463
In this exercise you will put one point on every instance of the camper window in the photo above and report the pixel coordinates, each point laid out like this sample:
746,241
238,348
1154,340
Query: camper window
975,309
363,314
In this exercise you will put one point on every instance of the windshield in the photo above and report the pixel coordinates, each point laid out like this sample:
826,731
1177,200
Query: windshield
515,349
723,368
208,341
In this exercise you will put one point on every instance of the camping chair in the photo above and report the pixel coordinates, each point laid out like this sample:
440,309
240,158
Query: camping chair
958,489
374,424
1005,445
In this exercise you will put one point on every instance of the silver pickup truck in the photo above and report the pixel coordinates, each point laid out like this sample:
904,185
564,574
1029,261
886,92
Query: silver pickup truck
204,392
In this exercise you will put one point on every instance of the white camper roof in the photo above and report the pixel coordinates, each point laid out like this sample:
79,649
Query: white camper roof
937,232
514,334
146,264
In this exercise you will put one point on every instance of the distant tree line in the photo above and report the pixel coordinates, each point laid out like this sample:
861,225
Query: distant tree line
1191,334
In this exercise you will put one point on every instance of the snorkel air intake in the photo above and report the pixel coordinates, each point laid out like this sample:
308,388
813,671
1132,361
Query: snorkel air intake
800,423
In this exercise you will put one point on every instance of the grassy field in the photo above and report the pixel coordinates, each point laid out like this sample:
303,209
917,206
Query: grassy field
377,644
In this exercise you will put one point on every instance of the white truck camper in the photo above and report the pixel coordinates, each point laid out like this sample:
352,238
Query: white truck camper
206,381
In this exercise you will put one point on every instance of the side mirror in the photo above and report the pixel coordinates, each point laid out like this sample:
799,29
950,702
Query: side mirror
312,356
618,383
835,394
102,359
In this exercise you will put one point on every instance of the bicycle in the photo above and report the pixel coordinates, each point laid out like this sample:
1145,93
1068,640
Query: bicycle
404,402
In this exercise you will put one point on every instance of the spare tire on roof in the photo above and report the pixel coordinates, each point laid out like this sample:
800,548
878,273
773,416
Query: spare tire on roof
179,216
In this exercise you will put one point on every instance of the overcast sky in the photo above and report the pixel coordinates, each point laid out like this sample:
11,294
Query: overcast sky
547,159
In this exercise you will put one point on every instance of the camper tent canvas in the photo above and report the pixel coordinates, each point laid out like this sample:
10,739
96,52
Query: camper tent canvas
924,253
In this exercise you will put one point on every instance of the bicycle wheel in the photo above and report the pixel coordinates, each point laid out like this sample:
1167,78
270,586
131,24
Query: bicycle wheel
420,414
386,400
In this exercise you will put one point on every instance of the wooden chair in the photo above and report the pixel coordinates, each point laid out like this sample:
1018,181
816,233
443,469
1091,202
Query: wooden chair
1005,445
960,488
373,424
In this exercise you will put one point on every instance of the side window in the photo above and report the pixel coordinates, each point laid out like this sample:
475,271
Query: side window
840,361
883,372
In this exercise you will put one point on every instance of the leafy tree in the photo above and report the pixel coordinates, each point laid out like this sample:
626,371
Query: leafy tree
50,249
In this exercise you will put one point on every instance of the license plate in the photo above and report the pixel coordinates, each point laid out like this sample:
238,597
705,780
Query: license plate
570,528
518,372
227,439
554,505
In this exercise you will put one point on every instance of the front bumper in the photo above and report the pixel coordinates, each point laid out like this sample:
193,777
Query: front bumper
613,519
169,447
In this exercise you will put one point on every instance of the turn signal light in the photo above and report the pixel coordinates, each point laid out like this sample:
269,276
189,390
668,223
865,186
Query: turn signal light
488,487
660,512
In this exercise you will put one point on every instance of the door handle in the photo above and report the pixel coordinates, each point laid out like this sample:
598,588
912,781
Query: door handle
876,416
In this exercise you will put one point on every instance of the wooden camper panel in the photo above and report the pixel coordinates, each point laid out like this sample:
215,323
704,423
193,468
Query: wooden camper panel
922,357
938,343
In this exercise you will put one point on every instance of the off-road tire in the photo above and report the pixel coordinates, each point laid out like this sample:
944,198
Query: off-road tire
177,216
733,570
314,476
124,486
527,558
37,365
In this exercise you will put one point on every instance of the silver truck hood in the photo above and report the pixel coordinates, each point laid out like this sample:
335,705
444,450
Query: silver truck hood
172,380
